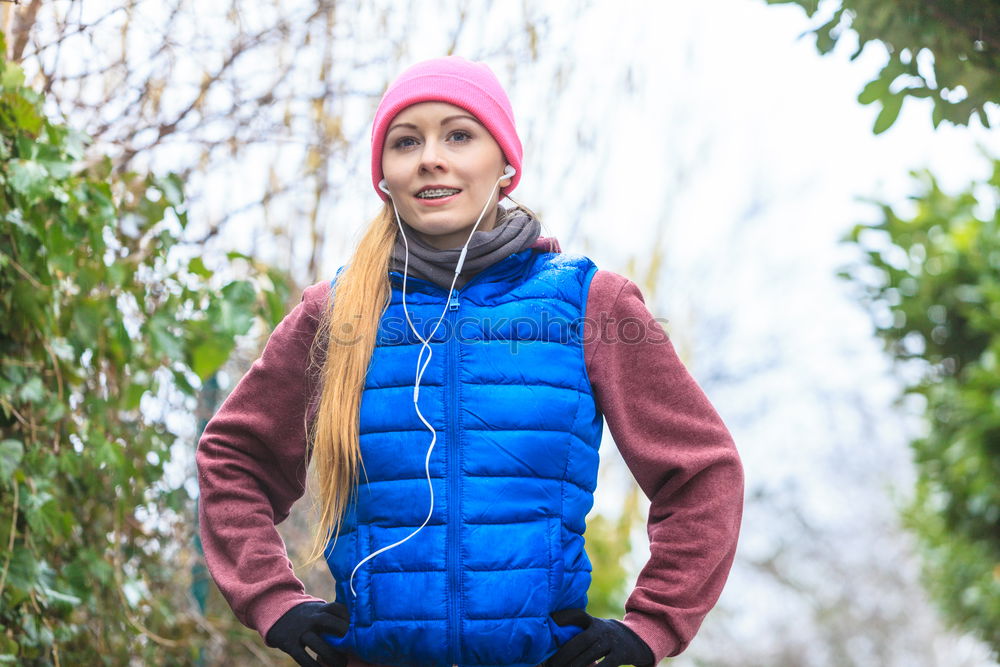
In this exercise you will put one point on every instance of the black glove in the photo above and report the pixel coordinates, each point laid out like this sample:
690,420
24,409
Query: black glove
301,626
601,638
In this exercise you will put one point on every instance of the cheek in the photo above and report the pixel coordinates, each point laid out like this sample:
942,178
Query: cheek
489,167
393,168
396,181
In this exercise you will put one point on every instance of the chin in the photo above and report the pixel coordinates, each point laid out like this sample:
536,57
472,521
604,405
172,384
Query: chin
439,226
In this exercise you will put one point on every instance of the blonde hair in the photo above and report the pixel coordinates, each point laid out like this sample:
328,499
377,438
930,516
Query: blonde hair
342,351
340,356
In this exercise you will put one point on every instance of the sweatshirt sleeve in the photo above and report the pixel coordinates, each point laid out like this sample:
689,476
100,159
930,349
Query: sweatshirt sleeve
680,453
251,461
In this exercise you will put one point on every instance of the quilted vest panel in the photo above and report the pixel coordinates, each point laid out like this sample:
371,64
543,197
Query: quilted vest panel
513,470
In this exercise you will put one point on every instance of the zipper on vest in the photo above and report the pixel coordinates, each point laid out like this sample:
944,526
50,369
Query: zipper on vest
454,472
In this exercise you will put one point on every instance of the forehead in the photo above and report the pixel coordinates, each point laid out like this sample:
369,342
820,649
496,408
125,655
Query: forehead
429,113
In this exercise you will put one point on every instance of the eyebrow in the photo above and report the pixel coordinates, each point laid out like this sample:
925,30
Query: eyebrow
444,121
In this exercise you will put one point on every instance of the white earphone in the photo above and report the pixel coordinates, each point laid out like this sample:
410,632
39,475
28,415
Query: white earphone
422,363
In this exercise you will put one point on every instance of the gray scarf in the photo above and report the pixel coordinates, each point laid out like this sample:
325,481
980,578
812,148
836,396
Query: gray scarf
515,230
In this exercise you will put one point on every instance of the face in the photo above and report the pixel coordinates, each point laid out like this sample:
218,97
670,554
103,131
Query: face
441,166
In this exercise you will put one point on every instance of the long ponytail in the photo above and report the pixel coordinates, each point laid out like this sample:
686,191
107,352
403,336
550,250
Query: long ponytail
341,353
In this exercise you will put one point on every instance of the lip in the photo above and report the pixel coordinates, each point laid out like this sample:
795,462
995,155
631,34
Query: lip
441,201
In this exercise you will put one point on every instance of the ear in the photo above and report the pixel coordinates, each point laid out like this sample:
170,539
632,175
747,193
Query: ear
509,172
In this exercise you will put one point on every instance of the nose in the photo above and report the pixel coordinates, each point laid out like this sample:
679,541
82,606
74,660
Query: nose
431,159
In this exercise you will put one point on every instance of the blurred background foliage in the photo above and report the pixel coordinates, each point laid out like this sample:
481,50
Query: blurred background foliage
932,282
96,321
946,52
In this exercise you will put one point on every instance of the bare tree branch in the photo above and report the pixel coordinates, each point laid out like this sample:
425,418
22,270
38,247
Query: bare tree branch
22,28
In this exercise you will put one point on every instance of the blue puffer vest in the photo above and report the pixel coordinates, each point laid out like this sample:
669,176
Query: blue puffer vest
513,471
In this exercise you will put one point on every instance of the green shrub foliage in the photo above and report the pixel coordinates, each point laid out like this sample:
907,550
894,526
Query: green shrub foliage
933,284
962,38
102,333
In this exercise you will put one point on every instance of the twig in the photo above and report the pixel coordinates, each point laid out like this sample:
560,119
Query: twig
5,25
21,362
249,645
25,21
45,621
30,278
90,26
10,542
120,586
55,366
7,404
59,384
167,128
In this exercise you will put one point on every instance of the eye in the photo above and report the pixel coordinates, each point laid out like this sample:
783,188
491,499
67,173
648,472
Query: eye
404,142
460,135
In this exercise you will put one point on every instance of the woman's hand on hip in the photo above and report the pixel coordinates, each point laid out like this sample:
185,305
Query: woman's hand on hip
301,627
601,638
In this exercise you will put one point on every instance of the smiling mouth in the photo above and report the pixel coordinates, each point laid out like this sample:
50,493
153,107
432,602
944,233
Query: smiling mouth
437,193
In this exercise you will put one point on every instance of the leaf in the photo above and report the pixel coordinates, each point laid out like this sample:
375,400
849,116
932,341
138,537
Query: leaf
889,113
937,113
28,178
30,304
181,380
118,274
58,521
62,598
62,349
75,143
56,411
87,322
983,117
873,90
825,41
209,356
172,188
20,114
32,391
151,211
134,392
13,76
164,341
11,453
23,569
197,267
237,313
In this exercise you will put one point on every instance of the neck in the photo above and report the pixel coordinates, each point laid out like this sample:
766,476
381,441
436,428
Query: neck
512,233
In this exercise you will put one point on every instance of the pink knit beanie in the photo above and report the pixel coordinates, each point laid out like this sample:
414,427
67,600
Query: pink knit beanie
455,80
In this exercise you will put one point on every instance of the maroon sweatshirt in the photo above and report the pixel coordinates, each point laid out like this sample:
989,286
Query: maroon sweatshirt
251,466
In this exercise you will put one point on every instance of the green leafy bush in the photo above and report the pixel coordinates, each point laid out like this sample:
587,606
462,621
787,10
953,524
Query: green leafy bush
961,37
102,331
933,284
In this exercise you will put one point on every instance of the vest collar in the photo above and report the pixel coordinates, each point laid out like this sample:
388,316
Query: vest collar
507,268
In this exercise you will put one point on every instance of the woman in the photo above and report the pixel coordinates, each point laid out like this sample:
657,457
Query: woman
451,383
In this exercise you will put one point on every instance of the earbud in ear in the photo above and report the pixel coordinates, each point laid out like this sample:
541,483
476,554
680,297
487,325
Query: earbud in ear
383,186
509,171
